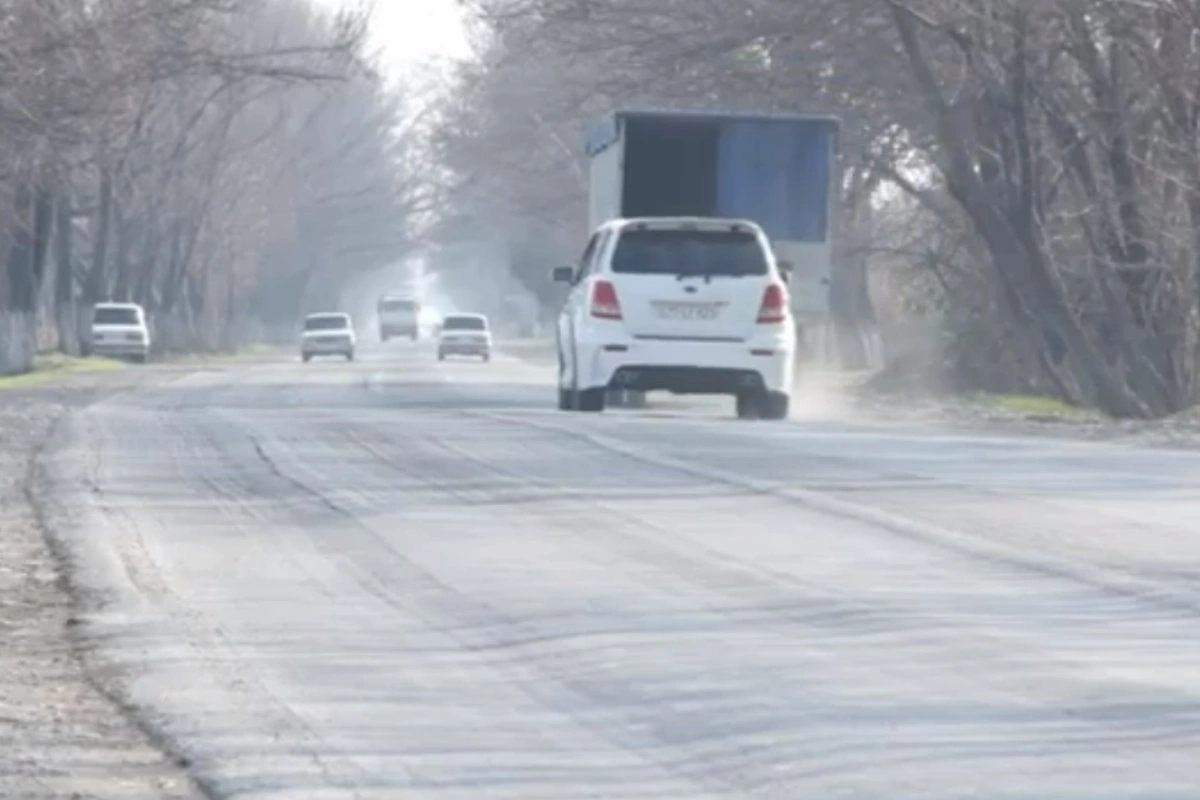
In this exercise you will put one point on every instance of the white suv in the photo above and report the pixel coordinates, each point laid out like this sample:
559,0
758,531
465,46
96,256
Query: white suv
686,305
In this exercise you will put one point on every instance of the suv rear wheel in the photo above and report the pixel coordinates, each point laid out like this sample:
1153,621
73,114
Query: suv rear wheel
763,405
591,400
774,405
747,406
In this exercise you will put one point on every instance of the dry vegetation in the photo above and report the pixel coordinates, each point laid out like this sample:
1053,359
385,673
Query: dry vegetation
220,162
1026,176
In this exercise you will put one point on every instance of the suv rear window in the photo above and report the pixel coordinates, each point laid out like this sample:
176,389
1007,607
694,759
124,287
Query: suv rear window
115,316
464,324
326,323
398,305
688,252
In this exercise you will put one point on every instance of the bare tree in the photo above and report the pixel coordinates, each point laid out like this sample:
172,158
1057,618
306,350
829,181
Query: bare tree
206,158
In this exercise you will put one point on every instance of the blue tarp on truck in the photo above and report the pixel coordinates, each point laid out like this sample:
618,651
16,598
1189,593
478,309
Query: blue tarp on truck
776,173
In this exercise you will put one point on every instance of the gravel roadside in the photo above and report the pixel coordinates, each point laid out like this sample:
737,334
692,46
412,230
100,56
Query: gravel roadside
60,736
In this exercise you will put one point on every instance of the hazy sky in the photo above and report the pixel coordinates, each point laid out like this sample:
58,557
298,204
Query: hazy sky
412,31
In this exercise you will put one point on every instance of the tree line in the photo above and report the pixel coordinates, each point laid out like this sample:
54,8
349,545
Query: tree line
1027,175
221,162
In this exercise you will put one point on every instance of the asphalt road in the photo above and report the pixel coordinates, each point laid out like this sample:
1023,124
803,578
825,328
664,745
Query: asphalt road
395,578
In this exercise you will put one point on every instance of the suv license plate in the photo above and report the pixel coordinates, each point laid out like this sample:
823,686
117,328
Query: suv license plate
675,309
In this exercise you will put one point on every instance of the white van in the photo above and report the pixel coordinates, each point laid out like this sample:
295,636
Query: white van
399,316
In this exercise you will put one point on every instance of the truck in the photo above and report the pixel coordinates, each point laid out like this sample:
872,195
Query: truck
399,315
777,170
774,169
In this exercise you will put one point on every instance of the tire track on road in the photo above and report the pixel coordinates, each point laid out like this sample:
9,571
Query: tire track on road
629,647
182,436
636,547
1128,583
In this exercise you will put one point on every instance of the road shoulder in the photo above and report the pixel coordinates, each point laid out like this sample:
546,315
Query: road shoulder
60,735
1003,417
827,395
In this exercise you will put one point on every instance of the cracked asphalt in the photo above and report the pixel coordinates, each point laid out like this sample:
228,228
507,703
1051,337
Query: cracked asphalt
398,578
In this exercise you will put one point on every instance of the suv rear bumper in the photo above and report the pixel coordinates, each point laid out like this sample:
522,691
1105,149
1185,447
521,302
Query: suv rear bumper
688,367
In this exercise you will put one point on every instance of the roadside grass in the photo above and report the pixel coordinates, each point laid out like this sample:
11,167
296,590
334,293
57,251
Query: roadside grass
245,353
1036,407
56,366
53,367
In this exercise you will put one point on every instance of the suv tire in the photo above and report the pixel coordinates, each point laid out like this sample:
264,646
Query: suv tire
591,401
774,405
747,406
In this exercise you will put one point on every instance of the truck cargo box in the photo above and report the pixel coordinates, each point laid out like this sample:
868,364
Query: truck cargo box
777,170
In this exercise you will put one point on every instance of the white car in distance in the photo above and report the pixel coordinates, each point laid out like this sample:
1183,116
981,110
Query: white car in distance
119,330
328,333
464,335
685,305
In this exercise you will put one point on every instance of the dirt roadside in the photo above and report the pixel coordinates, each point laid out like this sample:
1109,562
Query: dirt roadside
60,737
966,415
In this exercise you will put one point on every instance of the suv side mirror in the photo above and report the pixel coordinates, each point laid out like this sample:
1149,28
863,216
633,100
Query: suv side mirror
563,274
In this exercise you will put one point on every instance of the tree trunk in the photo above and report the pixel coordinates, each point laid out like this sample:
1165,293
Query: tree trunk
122,270
854,321
64,279
18,322
95,282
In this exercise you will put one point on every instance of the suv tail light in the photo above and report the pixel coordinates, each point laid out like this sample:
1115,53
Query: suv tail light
605,304
774,305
